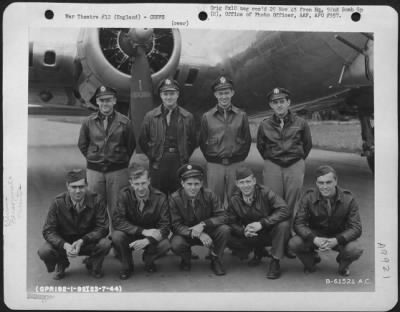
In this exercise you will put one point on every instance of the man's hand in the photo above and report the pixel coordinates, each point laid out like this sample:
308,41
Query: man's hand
329,244
206,240
139,244
247,233
69,250
197,229
76,246
253,227
155,233
321,243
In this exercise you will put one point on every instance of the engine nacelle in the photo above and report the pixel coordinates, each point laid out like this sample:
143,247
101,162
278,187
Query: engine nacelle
105,60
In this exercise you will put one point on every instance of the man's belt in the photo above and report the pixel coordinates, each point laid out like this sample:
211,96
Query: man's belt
171,149
225,161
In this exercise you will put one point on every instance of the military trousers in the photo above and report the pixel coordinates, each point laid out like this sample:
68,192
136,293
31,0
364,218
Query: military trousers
181,245
287,182
164,176
51,255
276,236
108,185
221,179
306,251
151,252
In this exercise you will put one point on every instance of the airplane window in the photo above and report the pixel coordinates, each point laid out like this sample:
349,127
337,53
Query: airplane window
50,58
192,75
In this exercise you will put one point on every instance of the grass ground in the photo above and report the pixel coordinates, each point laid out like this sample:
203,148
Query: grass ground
344,136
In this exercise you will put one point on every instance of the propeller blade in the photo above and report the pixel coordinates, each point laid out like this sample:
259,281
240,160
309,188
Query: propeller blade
141,97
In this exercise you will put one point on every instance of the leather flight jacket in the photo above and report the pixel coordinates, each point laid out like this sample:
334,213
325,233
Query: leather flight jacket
225,141
152,135
109,150
284,146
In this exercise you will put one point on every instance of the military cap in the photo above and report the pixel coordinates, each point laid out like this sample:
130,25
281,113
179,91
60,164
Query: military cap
104,90
277,93
190,171
168,84
74,175
222,82
243,172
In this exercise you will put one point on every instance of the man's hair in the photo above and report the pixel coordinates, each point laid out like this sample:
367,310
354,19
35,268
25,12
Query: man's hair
323,170
137,171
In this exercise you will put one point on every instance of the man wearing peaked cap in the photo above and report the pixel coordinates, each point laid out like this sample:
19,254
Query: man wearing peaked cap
284,141
107,141
167,137
224,139
76,224
328,219
258,217
197,218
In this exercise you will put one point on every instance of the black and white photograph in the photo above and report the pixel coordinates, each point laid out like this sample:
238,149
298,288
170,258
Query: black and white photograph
203,160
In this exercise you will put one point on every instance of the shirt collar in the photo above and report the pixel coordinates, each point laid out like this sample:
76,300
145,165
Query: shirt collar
221,110
166,110
287,118
110,117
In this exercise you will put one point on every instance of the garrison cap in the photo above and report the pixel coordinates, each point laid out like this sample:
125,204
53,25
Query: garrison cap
168,84
104,90
243,172
190,171
223,82
277,93
74,175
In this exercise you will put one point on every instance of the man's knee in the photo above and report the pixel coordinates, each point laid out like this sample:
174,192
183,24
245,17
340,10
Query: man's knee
177,242
119,237
46,251
283,227
296,243
104,245
223,230
352,251
164,245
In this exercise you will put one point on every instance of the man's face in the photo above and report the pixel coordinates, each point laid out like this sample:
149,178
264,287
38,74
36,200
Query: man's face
106,104
327,184
280,106
141,185
224,97
77,190
192,186
246,185
169,98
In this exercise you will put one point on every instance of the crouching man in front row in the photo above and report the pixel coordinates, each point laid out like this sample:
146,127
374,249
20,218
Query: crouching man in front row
77,224
258,218
327,219
141,222
197,218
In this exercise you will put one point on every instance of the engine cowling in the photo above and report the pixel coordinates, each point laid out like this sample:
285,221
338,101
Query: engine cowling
105,59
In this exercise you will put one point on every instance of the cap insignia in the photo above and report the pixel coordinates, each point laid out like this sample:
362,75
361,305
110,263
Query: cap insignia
189,167
276,91
167,82
223,80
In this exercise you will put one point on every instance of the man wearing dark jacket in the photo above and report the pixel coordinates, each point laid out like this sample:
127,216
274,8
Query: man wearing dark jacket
76,224
224,140
284,142
258,217
197,218
327,219
168,138
141,222
107,141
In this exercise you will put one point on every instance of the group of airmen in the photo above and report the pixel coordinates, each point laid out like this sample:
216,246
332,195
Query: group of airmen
167,206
